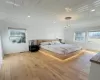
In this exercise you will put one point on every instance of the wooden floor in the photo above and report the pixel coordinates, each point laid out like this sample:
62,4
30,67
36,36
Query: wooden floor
37,66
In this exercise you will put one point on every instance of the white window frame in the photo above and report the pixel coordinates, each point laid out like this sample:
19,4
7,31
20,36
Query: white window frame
88,35
84,37
19,29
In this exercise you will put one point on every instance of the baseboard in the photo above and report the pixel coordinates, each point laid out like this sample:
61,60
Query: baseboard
93,50
16,53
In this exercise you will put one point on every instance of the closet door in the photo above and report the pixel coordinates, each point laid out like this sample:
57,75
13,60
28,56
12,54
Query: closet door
1,56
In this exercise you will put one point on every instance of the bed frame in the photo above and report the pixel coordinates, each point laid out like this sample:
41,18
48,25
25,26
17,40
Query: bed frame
59,56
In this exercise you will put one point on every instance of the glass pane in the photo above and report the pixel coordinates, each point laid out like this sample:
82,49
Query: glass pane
79,36
17,35
94,36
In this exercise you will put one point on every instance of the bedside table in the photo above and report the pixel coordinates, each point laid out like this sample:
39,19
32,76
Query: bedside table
63,43
34,48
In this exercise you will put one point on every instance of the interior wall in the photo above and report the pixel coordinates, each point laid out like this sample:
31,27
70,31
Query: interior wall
9,47
86,44
35,31
45,32
1,53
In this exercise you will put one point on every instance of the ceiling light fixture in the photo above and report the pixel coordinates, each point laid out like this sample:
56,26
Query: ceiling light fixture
68,21
92,10
28,16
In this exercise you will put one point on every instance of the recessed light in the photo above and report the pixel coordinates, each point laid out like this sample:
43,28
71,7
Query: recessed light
28,16
92,10
17,5
54,21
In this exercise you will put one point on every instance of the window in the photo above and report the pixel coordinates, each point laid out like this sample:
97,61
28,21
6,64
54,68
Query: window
94,36
17,35
79,36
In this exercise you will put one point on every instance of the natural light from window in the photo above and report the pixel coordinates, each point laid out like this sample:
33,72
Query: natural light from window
79,36
94,36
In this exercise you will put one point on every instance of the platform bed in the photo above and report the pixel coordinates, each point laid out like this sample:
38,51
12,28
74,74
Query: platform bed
58,50
61,56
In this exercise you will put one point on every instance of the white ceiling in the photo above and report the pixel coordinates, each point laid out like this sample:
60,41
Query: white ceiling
50,11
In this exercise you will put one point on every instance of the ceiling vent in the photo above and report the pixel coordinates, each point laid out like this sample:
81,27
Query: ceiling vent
96,3
83,8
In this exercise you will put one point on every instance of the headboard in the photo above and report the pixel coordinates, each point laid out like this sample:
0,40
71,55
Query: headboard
40,41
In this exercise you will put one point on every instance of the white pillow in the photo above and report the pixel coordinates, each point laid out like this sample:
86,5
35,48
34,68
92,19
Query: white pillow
55,42
45,43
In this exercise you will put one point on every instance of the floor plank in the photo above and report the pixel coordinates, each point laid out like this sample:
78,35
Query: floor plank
37,66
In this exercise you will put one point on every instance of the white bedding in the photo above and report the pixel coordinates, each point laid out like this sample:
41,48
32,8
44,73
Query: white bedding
61,48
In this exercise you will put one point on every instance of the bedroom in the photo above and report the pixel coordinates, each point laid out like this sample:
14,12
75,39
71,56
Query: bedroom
45,20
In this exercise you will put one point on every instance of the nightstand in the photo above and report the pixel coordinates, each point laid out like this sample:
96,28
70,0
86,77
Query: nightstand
34,48
62,42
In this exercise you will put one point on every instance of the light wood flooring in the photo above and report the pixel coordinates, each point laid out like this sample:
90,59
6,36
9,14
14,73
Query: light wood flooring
37,66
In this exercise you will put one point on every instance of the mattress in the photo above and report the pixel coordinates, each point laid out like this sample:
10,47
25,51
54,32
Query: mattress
61,48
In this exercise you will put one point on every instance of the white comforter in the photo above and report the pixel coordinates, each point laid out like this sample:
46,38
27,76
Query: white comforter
61,48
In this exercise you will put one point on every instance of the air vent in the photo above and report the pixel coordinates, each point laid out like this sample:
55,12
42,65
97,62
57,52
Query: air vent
12,3
96,3
83,8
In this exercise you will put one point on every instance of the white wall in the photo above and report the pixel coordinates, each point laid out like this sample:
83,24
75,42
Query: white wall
35,31
1,53
69,37
45,32
8,47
